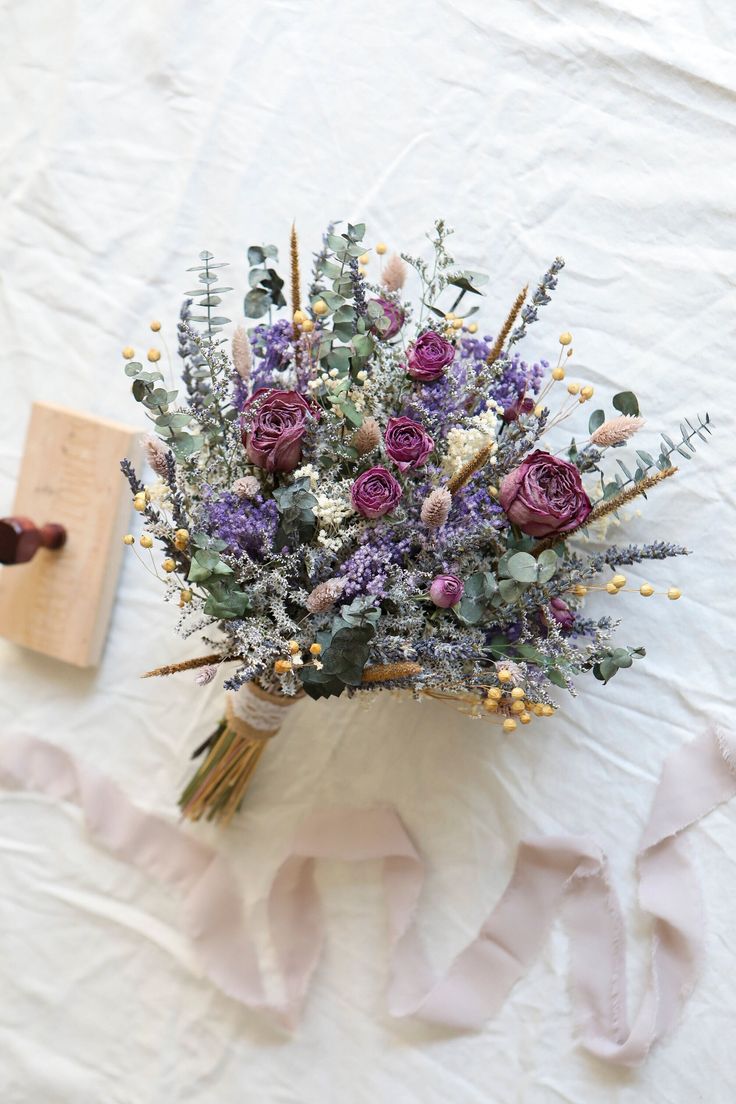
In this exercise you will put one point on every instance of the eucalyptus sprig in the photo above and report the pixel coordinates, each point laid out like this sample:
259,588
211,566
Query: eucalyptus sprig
265,284
177,428
207,297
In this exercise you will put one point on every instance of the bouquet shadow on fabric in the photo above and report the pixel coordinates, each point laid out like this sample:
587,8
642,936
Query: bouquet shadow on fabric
366,492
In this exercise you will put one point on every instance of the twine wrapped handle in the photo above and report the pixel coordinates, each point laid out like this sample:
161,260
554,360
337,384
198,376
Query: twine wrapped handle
252,717
255,714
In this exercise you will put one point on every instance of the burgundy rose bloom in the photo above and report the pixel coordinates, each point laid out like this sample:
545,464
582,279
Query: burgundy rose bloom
429,356
446,590
523,405
272,427
544,496
375,492
561,613
407,443
393,315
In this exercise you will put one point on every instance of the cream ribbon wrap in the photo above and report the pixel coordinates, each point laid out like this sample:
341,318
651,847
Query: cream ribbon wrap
254,713
696,778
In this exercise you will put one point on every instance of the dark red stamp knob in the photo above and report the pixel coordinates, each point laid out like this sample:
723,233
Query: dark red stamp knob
20,539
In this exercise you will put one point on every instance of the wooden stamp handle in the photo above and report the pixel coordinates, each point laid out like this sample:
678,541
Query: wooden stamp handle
20,539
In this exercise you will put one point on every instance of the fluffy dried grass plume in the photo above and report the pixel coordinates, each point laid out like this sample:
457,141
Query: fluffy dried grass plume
616,430
156,454
205,675
436,507
394,273
242,353
367,437
324,595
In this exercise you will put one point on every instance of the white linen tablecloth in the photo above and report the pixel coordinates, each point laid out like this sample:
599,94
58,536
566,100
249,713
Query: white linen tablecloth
134,135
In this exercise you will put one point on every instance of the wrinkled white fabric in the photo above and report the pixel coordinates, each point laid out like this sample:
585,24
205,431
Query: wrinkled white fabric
548,869
132,136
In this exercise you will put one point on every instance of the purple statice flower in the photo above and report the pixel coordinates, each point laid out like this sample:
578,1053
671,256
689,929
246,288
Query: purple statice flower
473,508
367,570
475,348
517,379
438,404
248,526
273,351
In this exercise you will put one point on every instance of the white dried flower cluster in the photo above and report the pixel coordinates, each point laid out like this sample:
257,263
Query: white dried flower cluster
463,444
308,471
158,493
331,511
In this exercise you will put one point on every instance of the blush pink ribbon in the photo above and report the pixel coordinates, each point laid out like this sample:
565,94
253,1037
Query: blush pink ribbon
695,779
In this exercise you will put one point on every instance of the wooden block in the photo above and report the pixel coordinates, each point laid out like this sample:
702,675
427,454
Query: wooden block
60,602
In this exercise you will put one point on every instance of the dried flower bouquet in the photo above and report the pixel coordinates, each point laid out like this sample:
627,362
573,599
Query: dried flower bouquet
363,491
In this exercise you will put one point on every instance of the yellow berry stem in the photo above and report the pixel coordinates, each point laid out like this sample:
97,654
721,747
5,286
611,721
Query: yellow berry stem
622,590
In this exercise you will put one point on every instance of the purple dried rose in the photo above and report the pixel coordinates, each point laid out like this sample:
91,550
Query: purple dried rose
446,590
544,496
407,443
393,319
561,613
375,492
429,356
272,427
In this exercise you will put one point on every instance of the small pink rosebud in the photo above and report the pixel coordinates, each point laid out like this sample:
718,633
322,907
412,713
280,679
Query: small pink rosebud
446,590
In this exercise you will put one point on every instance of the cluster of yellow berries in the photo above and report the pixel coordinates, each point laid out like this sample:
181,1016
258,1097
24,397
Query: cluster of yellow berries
558,373
513,703
305,324
283,666
181,542
584,393
153,355
454,324
618,583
